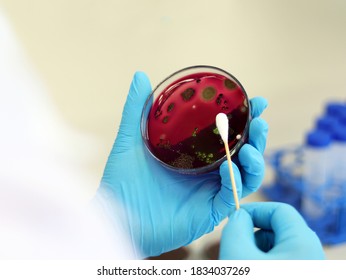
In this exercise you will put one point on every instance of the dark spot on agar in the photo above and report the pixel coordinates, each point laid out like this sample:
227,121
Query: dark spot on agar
158,113
165,119
170,107
230,84
183,161
194,133
219,99
208,93
187,94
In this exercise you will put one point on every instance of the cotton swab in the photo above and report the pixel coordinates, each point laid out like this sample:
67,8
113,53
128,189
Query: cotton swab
222,126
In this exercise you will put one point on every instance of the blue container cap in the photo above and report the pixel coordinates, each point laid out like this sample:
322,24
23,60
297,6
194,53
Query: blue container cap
318,138
342,120
339,132
335,109
342,113
326,123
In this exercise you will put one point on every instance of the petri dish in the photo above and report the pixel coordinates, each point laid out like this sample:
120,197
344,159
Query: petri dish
178,119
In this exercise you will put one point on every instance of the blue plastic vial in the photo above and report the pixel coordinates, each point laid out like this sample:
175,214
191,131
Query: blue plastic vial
338,163
316,173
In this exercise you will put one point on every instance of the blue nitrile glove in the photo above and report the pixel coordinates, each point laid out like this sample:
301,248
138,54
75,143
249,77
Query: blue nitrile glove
164,209
282,234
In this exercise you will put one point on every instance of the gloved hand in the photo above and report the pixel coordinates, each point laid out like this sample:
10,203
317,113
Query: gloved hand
166,210
283,234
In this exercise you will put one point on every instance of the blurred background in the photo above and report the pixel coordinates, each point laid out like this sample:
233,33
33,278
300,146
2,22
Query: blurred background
85,52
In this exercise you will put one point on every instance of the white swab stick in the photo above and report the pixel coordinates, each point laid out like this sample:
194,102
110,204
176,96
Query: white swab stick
222,126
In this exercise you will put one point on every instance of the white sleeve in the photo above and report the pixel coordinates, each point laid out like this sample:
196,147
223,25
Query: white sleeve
43,210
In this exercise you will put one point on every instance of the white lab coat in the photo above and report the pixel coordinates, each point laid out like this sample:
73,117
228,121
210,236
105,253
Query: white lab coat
44,209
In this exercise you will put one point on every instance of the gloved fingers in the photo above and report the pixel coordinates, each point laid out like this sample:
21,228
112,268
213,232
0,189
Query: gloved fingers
238,240
293,238
258,105
252,168
258,133
250,155
224,200
130,123
281,218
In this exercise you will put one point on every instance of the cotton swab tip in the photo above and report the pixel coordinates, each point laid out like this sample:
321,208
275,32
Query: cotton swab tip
222,126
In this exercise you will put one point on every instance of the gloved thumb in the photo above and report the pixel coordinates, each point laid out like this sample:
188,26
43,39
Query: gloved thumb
129,130
224,198
238,240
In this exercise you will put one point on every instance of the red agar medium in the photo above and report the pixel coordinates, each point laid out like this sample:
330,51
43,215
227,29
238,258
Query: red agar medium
180,127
